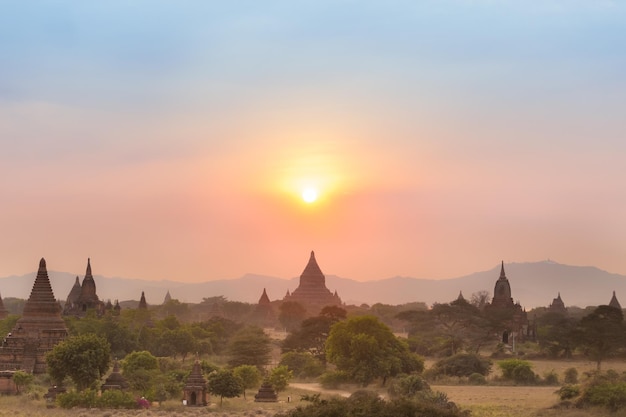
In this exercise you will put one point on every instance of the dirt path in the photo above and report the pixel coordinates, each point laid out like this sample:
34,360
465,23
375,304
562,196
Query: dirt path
318,388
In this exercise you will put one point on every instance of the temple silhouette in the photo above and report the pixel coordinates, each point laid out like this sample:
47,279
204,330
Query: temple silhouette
312,292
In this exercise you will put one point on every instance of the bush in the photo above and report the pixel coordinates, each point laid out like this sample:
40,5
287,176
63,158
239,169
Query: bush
571,376
568,391
551,378
89,399
606,389
334,379
611,395
477,379
407,386
517,370
462,364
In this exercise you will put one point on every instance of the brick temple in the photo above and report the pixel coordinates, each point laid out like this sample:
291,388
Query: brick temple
83,298
312,292
38,330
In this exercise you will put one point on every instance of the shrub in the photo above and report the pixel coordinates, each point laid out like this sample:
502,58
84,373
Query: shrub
611,395
462,364
571,376
477,379
551,378
517,370
568,391
334,379
90,399
407,386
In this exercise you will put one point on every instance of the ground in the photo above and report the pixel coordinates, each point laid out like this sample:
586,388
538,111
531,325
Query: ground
482,401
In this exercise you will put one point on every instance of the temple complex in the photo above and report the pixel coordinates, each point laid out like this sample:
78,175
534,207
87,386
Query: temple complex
312,292
39,329
83,298
517,325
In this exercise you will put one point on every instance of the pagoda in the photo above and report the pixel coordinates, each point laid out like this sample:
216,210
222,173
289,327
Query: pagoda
557,305
38,330
87,299
516,325
312,292
195,391
614,303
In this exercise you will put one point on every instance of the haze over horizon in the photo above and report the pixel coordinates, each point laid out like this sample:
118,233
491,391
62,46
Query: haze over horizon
205,142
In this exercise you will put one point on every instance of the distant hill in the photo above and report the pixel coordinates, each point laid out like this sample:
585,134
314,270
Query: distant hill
533,284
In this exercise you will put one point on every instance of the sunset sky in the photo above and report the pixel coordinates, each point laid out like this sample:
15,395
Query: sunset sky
173,140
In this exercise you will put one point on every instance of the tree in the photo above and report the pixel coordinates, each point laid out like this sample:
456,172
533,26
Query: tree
250,376
291,315
367,349
302,364
21,380
556,334
225,384
280,377
601,333
249,346
83,358
140,370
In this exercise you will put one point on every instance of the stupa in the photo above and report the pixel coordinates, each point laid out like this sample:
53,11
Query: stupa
312,292
115,380
38,330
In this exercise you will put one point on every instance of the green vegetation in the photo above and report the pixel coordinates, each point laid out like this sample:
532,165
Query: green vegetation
84,359
517,370
225,383
462,364
367,349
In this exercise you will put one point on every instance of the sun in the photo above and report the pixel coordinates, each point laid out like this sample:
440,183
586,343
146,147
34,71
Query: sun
309,195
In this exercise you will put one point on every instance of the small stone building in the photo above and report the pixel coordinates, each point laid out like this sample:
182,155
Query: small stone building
266,394
115,380
195,391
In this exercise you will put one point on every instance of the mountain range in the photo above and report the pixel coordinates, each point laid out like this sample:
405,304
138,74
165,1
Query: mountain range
533,284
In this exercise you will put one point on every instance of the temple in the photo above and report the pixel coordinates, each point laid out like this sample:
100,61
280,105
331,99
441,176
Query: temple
516,324
195,390
312,292
39,329
83,298
557,305
614,303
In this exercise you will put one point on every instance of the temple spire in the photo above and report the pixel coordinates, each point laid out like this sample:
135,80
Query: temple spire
502,274
88,272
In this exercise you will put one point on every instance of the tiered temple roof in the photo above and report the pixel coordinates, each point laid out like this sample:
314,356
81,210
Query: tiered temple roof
38,330
312,292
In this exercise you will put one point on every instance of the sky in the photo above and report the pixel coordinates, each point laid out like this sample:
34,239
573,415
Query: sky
173,140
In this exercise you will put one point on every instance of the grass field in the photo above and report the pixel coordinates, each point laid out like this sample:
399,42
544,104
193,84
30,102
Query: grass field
483,401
